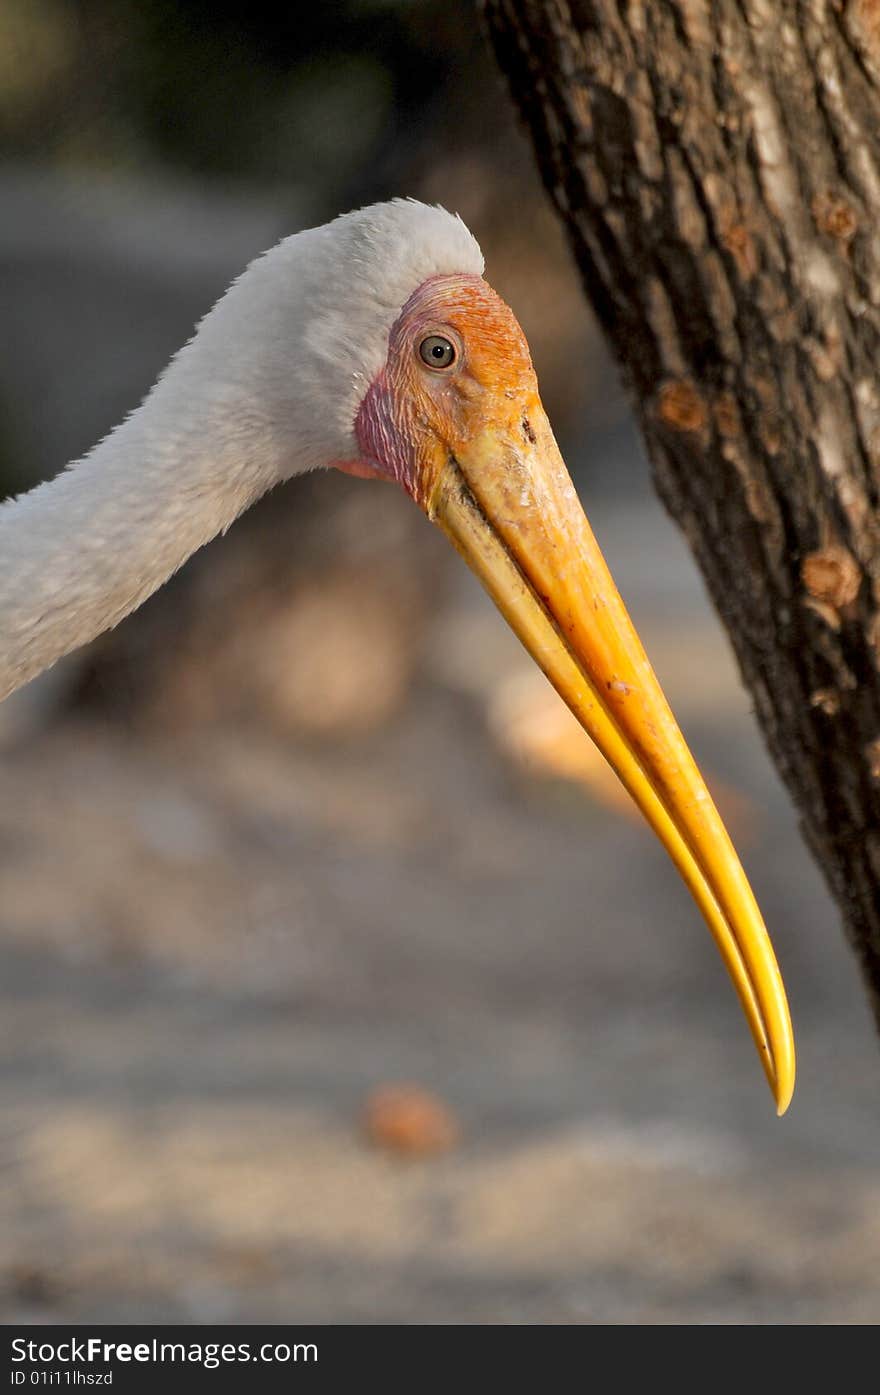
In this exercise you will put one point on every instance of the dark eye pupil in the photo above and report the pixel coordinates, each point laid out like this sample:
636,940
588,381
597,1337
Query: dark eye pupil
437,351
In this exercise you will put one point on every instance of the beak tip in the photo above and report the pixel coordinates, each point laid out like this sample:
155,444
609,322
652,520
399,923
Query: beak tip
783,1085
783,1099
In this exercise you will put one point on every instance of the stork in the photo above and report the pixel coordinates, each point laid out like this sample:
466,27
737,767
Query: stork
374,345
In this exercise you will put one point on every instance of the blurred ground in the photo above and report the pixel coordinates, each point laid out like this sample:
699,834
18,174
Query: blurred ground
307,826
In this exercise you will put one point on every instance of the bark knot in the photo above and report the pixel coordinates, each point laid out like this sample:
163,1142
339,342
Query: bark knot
832,576
740,244
834,216
681,407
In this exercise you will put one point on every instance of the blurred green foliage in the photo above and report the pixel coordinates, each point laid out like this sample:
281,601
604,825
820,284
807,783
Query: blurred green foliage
320,93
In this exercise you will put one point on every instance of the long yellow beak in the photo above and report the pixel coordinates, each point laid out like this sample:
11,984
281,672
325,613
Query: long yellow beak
507,504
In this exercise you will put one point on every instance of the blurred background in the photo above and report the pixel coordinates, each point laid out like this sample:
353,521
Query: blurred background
337,982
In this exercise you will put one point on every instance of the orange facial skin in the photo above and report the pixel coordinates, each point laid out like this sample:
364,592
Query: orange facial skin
414,417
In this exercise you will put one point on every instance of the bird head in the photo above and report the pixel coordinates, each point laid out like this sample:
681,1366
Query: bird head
423,376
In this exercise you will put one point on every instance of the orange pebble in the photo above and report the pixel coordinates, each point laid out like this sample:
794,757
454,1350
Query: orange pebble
408,1120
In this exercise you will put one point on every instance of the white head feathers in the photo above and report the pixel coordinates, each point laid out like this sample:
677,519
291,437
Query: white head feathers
296,341
375,259
268,386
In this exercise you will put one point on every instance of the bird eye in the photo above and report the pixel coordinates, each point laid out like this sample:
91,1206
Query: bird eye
437,352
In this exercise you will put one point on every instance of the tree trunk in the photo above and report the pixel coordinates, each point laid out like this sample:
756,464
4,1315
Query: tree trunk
717,166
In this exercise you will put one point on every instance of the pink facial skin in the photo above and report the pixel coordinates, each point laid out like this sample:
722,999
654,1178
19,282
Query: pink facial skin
393,424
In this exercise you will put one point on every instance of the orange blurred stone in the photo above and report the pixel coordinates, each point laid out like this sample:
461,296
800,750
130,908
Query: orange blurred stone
531,723
533,726
408,1120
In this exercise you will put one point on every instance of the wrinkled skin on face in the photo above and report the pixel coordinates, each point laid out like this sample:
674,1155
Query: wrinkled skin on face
415,417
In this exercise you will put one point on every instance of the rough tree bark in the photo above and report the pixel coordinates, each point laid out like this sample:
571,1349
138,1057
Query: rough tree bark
717,166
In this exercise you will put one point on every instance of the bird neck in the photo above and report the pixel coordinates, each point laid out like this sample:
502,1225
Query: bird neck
80,552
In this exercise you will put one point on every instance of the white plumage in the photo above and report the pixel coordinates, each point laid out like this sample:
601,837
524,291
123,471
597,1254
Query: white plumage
268,386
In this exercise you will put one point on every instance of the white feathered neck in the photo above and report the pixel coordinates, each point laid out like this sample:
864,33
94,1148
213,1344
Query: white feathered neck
268,386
